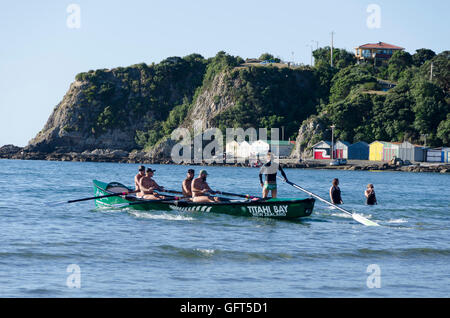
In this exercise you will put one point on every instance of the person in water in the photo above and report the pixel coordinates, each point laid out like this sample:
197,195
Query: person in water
137,178
200,189
270,170
335,192
186,186
148,186
371,199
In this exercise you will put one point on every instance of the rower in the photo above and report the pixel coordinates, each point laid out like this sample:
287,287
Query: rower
137,178
147,187
270,170
200,189
186,186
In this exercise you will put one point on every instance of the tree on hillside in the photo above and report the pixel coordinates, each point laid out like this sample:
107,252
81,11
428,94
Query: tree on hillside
441,70
341,57
430,107
347,79
443,131
421,56
269,57
398,63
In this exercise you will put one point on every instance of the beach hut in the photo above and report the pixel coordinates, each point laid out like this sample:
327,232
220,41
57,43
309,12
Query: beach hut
391,151
281,148
341,150
438,155
259,148
446,155
358,151
376,150
408,151
231,149
243,150
322,150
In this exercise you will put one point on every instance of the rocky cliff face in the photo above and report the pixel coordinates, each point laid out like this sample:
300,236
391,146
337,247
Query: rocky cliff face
213,100
104,109
312,130
138,107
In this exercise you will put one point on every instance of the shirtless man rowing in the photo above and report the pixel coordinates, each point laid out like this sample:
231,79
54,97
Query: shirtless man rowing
187,183
147,187
138,178
200,189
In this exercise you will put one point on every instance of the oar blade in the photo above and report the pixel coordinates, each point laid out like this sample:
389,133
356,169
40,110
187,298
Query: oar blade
363,220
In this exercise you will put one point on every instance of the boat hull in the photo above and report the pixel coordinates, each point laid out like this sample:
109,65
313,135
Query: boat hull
272,208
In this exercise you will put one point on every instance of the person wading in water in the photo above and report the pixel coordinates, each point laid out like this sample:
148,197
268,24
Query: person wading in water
335,192
147,186
371,199
270,170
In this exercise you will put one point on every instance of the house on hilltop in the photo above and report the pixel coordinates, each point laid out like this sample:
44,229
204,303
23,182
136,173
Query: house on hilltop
376,52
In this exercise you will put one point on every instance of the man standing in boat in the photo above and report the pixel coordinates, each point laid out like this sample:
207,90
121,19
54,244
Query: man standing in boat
147,187
138,177
201,189
186,186
270,170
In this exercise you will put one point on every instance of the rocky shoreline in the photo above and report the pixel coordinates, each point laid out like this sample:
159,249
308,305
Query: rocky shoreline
141,157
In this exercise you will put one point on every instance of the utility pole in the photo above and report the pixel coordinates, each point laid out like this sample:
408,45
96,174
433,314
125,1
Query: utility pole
332,44
332,141
309,45
425,138
317,47
431,72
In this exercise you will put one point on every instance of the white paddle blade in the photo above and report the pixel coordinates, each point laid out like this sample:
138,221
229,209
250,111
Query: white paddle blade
363,220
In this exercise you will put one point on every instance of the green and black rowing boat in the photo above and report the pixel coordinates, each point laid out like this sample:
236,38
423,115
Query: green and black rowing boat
271,208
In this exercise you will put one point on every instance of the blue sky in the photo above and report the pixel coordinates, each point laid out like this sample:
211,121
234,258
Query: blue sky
40,55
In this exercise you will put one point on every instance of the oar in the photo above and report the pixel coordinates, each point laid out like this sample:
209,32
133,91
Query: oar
356,217
91,198
143,201
246,196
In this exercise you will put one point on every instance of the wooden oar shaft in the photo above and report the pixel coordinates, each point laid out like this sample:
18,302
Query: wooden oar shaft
239,195
144,201
99,197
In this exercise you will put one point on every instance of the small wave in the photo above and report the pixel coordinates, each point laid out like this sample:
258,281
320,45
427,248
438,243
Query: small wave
397,221
200,253
205,251
146,215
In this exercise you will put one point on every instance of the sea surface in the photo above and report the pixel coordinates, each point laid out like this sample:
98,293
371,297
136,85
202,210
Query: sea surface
76,250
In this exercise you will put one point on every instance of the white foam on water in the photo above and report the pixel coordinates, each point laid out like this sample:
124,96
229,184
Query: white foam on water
397,221
147,215
205,251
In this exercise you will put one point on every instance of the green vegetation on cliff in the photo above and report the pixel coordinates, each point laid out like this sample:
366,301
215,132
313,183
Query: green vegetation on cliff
416,106
142,104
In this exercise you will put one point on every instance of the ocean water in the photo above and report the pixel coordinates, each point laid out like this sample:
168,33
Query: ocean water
76,250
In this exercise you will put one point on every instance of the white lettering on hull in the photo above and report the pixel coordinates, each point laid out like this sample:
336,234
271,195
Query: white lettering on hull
274,210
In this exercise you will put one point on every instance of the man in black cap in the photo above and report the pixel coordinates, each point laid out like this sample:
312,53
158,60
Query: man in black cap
187,192
148,186
138,178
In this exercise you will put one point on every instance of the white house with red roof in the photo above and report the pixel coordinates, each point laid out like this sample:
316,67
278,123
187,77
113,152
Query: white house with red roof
376,51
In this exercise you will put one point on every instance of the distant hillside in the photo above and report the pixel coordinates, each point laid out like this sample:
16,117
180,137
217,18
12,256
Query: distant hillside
137,107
